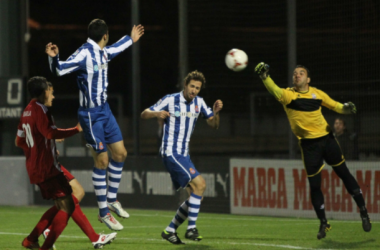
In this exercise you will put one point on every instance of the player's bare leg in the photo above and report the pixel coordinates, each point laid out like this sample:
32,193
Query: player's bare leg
115,168
100,187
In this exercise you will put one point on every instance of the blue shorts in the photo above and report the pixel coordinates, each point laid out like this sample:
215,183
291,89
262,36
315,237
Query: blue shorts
99,127
181,170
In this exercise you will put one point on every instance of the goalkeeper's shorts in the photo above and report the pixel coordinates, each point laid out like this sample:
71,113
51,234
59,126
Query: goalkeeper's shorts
315,151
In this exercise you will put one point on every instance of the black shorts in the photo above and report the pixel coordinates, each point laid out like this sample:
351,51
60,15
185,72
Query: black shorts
314,151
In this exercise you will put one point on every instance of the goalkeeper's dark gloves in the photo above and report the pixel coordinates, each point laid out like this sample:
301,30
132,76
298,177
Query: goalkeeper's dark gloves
262,70
351,107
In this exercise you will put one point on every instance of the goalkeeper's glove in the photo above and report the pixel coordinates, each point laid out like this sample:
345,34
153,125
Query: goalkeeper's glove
262,70
351,107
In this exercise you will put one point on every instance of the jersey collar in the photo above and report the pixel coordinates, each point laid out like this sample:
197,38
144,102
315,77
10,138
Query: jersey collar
182,98
93,43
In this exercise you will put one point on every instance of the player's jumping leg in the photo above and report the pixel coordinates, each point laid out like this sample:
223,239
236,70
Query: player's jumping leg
318,202
100,186
114,170
353,188
197,188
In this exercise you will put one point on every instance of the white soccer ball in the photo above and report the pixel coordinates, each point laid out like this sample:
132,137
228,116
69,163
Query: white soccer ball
236,60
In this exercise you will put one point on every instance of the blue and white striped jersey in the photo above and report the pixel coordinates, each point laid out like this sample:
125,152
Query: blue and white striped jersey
179,126
91,66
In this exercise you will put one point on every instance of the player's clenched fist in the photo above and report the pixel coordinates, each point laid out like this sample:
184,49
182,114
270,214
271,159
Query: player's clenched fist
262,70
162,114
218,105
51,49
351,107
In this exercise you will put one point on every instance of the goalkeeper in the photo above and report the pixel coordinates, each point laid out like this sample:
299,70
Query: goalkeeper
303,105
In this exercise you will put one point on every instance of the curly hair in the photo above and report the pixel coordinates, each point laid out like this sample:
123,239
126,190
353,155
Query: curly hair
196,76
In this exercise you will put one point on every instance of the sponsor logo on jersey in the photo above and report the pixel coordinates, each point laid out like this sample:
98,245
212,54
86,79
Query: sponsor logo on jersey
192,171
96,68
76,52
104,66
101,145
27,113
177,114
314,96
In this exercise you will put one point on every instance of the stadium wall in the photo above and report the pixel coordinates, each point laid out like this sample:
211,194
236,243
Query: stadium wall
145,183
236,185
16,189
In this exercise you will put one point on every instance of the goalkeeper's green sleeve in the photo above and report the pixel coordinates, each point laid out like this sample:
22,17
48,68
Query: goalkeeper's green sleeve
273,88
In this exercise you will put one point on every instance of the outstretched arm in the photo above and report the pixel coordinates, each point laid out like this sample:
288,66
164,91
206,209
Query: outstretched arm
346,109
262,70
125,42
213,121
60,68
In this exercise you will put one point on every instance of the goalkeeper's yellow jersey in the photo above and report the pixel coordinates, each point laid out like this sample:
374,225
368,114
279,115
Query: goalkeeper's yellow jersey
304,111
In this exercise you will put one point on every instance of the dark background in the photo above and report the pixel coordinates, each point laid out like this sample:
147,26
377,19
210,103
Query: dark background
337,40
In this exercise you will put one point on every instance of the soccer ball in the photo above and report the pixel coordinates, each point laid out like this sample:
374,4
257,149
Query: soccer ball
236,60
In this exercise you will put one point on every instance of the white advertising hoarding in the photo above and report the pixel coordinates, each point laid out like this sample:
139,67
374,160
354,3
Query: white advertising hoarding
281,188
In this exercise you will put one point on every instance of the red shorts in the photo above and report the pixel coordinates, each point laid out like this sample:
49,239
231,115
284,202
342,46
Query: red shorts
56,187
67,174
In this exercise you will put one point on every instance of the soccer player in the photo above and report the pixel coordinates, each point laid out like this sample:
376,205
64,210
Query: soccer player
180,112
303,105
98,240
90,62
36,134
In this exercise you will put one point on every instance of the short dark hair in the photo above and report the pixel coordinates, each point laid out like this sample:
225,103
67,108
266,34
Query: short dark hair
97,29
307,70
37,85
196,76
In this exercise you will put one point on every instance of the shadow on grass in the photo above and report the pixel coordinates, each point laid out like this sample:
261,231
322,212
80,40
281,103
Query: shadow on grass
195,246
328,243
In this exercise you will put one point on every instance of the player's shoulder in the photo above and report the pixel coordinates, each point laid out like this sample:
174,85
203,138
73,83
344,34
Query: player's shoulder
316,90
40,107
290,89
199,99
79,53
171,96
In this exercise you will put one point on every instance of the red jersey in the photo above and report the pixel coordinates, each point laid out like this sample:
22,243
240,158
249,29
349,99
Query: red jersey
36,135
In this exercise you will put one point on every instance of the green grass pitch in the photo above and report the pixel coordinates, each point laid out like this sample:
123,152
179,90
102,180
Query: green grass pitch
220,231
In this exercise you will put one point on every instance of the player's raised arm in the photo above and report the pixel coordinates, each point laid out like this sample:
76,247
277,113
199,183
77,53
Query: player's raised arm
262,70
60,68
214,120
125,42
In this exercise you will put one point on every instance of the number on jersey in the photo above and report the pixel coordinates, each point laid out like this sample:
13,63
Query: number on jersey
28,137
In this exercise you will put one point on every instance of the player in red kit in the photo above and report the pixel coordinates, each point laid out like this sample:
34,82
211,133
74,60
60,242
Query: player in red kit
36,136
98,240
